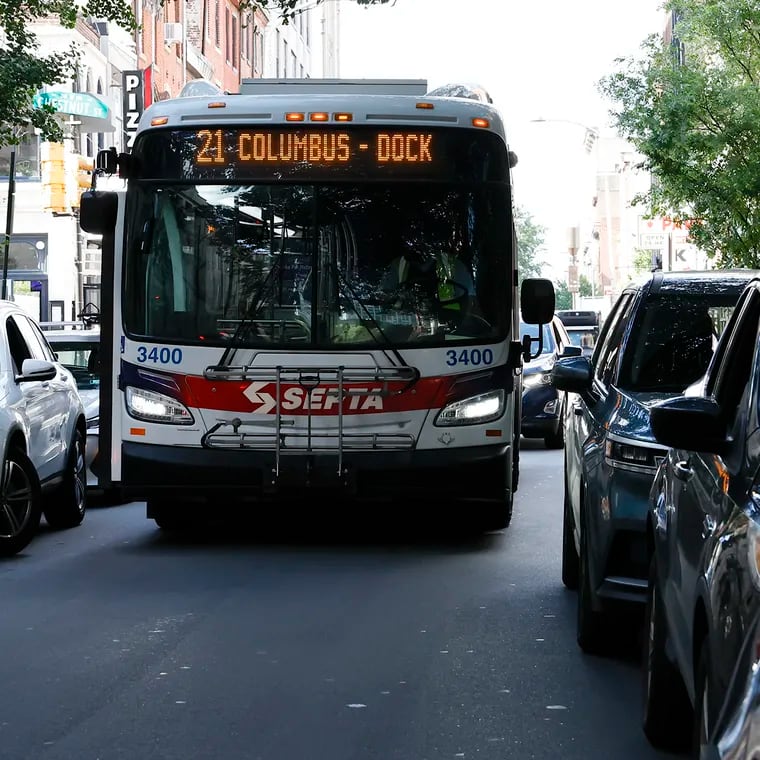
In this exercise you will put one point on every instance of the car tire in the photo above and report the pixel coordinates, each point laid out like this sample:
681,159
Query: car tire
667,716
590,622
66,506
556,439
20,502
702,707
570,561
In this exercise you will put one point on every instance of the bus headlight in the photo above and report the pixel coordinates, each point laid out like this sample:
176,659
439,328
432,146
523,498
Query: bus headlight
475,410
155,407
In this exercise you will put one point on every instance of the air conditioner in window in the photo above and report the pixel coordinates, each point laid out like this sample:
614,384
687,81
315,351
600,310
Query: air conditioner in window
172,33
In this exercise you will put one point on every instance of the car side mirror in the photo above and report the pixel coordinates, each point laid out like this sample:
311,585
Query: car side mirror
691,423
568,351
572,373
36,369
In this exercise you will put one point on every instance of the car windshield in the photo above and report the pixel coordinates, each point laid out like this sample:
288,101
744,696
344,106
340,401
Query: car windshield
79,358
672,340
532,330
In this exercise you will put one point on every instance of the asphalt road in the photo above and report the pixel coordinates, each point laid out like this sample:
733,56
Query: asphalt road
317,636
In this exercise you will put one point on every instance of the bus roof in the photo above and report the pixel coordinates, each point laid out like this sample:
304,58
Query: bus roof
414,87
371,106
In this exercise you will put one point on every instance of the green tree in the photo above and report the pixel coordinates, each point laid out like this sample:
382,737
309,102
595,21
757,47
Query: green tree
24,70
563,298
692,109
530,241
585,288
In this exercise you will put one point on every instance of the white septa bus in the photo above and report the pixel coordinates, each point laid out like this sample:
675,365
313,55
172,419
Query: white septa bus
307,286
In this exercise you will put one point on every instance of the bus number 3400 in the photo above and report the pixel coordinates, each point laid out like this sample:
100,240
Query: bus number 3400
159,355
474,357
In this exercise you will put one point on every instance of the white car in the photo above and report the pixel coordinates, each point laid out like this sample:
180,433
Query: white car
76,346
42,435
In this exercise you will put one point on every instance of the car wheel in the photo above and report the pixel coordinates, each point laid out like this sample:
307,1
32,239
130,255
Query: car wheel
569,552
516,463
20,502
556,439
667,713
65,508
590,622
702,707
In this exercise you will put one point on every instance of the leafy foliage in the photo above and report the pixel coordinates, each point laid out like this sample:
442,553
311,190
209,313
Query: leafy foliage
563,298
24,70
530,241
692,109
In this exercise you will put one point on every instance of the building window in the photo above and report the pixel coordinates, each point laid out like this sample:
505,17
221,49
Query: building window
234,37
284,58
27,157
227,50
217,24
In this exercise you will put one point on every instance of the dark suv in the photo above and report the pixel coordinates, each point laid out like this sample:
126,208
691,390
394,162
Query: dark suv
657,340
543,407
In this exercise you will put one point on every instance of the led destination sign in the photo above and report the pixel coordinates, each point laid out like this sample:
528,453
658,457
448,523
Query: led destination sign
327,152
222,147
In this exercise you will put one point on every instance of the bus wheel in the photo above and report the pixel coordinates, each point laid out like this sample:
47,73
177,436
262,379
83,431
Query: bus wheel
166,516
496,515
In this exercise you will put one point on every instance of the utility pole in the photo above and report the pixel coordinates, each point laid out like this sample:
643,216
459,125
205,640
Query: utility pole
9,220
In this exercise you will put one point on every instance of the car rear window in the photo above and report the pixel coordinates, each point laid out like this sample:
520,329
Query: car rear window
672,340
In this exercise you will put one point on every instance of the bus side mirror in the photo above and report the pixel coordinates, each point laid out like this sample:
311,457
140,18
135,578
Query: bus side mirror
106,161
537,301
97,211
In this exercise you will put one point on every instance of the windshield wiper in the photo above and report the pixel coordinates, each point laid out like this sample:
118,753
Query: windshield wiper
385,343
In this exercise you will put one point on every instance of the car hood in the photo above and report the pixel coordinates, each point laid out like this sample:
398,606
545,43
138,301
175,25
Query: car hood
91,402
542,363
630,416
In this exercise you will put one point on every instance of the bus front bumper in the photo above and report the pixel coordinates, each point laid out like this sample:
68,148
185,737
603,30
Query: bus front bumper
202,475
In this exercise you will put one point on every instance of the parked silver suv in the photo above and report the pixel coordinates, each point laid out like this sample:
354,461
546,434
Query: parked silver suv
42,435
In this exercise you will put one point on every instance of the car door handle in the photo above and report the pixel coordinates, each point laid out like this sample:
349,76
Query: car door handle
577,409
683,471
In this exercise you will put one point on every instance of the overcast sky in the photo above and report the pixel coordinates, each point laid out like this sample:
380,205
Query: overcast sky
537,59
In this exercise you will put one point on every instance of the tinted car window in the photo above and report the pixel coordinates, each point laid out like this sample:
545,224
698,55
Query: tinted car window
672,340
608,350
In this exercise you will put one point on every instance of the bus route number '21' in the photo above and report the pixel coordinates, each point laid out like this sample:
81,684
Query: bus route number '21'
156,355
474,357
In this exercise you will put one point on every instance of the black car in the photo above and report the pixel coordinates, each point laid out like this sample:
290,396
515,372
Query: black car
703,537
736,735
657,340
543,406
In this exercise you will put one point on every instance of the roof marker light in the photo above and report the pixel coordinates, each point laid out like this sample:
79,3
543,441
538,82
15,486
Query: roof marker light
319,116
479,122
425,106
159,121
343,116
294,116
217,104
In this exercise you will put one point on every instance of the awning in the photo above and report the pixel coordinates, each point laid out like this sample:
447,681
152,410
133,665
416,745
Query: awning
88,111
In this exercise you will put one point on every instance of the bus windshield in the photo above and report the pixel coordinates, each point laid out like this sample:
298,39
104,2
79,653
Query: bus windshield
318,265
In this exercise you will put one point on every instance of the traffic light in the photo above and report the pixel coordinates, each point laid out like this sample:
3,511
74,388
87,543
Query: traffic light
53,175
78,177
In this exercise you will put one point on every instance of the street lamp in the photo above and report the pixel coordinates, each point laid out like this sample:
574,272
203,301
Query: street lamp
591,134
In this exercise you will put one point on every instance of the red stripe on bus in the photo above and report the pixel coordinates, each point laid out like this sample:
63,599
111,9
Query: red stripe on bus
256,397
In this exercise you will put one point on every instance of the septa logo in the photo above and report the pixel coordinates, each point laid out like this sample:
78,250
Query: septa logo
322,398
